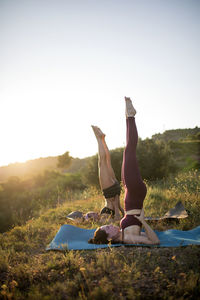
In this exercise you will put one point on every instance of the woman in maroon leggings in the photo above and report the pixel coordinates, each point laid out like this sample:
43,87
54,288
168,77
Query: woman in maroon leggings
135,192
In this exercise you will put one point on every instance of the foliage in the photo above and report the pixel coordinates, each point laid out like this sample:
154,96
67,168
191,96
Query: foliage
28,168
155,159
21,200
34,167
186,154
90,171
176,134
28,272
184,187
116,160
64,160
184,144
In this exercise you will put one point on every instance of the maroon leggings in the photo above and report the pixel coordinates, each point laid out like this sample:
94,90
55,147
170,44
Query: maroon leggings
135,189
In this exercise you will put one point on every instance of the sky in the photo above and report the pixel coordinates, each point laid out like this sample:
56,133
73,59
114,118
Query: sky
67,64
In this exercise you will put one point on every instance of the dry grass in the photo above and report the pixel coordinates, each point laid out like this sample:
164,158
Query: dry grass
27,271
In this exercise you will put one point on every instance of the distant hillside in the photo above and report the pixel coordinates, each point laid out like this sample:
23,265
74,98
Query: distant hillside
30,167
176,134
77,164
36,166
185,144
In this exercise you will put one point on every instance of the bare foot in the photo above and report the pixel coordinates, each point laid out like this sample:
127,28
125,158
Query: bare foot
130,110
97,131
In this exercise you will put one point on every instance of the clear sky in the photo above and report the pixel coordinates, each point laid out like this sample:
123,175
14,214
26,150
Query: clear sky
67,64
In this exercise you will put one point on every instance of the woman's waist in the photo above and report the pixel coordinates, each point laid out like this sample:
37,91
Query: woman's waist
132,230
135,211
130,220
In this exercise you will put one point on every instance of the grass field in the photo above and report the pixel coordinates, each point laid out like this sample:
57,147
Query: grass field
27,271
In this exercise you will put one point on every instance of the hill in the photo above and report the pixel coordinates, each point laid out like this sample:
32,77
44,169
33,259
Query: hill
177,134
185,145
30,167
37,166
27,271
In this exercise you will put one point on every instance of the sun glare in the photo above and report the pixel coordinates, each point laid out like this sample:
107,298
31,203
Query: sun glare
61,72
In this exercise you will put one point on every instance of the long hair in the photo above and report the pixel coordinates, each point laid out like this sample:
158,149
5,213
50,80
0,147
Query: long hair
100,237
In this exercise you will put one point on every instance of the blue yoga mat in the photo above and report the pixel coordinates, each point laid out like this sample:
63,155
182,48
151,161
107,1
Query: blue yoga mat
70,237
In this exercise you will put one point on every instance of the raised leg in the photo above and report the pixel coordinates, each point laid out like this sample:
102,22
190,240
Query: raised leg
108,159
135,189
106,174
105,178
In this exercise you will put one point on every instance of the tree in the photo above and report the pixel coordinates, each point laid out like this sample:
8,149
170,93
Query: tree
116,160
64,161
90,171
155,159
